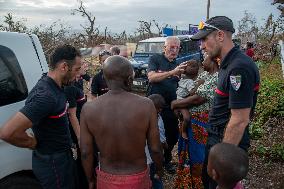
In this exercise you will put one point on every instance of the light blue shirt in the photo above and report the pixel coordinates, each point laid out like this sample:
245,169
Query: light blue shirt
161,129
162,138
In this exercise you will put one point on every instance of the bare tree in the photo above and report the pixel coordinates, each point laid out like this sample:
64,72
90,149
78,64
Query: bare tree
105,34
91,31
159,28
145,29
280,7
268,37
50,36
53,35
265,37
247,28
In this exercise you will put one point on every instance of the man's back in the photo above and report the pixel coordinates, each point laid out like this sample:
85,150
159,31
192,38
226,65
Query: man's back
120,122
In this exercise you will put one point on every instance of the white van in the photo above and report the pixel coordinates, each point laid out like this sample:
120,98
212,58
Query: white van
22,63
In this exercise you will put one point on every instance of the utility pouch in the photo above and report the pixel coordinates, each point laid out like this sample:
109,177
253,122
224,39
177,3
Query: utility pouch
74,151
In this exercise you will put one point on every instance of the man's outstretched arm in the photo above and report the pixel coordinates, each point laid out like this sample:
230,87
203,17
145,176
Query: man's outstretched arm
157,77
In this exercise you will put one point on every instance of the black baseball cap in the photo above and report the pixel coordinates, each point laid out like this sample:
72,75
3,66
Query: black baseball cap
212,24
104,52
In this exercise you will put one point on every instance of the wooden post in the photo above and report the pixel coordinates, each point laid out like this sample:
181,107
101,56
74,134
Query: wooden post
208,8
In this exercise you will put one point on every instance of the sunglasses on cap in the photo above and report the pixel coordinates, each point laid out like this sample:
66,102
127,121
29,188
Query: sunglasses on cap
202,25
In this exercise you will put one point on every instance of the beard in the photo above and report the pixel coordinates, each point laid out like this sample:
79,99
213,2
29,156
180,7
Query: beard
68,80
216,52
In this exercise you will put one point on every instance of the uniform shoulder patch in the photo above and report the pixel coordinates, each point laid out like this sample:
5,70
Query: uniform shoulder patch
236,81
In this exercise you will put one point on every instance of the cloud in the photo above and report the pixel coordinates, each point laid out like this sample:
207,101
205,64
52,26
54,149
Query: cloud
120,15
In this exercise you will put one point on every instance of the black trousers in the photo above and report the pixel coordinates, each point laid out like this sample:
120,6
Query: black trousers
208,182
82,179
213,139
171,131
55,171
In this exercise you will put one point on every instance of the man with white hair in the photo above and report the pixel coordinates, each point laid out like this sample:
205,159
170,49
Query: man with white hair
163,75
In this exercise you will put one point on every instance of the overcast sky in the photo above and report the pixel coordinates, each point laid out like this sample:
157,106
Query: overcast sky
119,15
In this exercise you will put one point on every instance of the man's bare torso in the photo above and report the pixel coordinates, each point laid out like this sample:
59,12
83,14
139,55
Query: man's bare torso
120,123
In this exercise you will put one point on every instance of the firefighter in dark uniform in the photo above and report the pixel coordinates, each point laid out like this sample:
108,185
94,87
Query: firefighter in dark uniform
45,111
76,99
99,86
236,91
163,75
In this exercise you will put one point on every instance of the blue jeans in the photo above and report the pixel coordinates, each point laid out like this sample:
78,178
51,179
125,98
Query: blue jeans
55,171
156,183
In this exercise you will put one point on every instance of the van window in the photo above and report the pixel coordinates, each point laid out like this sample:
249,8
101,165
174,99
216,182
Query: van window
183,48
152,47
13,87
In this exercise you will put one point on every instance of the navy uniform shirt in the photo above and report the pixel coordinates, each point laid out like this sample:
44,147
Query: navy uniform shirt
76,98
237,88
80,82
167,87
99,86
46,107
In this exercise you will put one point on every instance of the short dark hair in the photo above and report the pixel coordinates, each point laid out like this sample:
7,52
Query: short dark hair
192,61
115,50
230,162
65,52
158,100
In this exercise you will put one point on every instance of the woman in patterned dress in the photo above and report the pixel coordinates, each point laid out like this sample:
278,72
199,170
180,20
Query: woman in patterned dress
191,150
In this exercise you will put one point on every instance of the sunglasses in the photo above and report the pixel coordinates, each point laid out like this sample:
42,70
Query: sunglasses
174,48
202,25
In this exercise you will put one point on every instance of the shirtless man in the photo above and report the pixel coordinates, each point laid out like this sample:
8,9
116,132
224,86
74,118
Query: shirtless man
119,135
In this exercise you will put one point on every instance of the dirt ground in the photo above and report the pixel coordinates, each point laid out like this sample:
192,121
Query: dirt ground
264,172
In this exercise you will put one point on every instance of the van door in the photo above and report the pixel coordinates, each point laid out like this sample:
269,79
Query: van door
20,69
13,92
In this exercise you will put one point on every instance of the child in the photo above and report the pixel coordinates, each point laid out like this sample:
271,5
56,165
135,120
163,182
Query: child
159,103
187,87
227,165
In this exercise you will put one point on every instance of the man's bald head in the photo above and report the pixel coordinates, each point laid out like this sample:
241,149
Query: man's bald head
117,68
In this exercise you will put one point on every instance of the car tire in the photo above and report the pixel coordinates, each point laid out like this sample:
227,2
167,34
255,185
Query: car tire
20,180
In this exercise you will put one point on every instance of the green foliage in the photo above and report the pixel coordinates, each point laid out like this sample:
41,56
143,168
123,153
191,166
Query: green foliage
270,102
262,150
255,130
276,152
